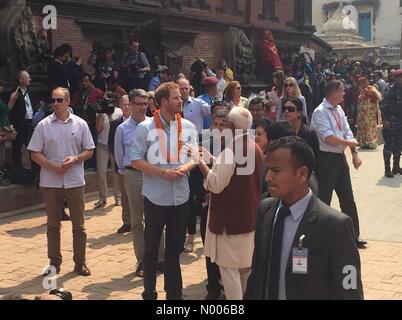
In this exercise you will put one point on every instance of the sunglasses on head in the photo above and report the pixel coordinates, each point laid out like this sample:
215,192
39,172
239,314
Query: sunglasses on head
58,100
289,109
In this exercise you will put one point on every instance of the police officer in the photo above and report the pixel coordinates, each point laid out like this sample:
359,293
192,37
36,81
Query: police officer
391,108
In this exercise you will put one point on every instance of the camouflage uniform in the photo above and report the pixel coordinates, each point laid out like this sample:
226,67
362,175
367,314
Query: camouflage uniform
391,108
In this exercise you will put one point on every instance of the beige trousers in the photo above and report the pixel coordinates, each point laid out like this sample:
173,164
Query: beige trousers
234,282
103,156
133,186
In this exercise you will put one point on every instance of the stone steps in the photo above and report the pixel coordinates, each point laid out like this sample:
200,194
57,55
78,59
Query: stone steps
16,198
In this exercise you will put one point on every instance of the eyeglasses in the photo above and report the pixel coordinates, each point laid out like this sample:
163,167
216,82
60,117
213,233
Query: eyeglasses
288,85
289,109
58,100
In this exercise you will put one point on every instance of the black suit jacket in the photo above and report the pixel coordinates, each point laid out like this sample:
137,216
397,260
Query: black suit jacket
331,247
18,112
58,75
112,132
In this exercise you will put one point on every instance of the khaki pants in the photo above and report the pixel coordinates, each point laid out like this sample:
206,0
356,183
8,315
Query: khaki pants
125,214
103,156
133,186
234,282
54,198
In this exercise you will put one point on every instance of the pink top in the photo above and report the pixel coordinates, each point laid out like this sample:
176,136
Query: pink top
57,140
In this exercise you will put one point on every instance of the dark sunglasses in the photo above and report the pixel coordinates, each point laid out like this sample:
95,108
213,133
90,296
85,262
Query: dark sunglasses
58,100
290,85
289,109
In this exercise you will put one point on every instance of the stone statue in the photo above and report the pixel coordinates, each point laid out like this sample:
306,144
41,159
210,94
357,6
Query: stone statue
25,37
240,53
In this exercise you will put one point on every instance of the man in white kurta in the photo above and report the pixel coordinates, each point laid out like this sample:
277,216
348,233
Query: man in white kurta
232,250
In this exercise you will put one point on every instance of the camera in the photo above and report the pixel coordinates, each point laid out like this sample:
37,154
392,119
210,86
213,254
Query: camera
134,67
105,106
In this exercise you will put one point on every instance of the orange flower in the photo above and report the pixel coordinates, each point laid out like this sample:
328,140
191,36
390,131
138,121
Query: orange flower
169,158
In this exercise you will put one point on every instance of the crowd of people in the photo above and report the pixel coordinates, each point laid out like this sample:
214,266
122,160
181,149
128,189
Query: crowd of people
182,147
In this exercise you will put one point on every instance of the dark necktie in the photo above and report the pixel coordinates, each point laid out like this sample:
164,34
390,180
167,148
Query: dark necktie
276,250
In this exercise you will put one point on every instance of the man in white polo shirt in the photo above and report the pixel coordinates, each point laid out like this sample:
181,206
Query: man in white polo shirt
60,145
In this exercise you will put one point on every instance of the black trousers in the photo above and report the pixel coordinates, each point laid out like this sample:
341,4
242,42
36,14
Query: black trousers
24,131
334,174
175,220
214,288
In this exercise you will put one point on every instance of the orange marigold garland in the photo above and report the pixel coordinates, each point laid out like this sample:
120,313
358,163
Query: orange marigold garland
161,136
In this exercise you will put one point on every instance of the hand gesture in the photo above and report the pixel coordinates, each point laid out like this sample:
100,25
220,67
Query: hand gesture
69,162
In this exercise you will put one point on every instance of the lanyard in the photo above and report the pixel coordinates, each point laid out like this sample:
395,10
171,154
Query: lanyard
337,118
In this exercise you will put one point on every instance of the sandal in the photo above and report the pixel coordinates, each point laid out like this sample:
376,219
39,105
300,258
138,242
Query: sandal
189,246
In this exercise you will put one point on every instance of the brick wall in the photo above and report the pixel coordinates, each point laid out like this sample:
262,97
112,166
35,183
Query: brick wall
207,46
68,32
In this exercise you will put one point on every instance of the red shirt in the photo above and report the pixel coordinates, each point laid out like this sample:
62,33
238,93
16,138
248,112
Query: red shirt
271,54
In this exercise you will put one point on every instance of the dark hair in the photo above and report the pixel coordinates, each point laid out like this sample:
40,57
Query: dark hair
295,100
279,130
302,154
68,47
60,51
264,123
84,74
218,105
331,87
256,101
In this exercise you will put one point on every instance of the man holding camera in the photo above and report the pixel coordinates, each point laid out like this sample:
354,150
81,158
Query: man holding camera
134,66
84,103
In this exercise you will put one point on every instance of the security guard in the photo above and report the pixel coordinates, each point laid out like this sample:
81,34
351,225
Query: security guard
391,108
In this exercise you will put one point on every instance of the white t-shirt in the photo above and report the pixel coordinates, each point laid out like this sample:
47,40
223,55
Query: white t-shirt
103,136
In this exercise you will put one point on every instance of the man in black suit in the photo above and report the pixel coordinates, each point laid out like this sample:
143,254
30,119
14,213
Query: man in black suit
58,73
304,250
22,109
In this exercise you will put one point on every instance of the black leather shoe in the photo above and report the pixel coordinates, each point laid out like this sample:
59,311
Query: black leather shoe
125,228
82,270
49,270
140,271
388,174
361,244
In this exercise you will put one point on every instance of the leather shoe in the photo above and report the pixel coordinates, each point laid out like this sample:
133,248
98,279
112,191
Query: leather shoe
100,204
361,244
49,270
125,228
140,271
82,270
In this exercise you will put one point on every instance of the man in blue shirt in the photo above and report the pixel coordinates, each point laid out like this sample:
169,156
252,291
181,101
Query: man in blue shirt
334,134
164,76
210,89
159,152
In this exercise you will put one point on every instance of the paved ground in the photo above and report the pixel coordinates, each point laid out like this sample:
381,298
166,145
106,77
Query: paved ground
111,260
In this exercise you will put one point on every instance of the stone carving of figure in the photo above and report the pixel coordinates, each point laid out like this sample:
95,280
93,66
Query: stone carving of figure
25,37
242,52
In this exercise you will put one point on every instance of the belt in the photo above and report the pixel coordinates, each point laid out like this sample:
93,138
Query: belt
130,168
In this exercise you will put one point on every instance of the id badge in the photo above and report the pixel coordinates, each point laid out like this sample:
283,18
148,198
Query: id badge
300,261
